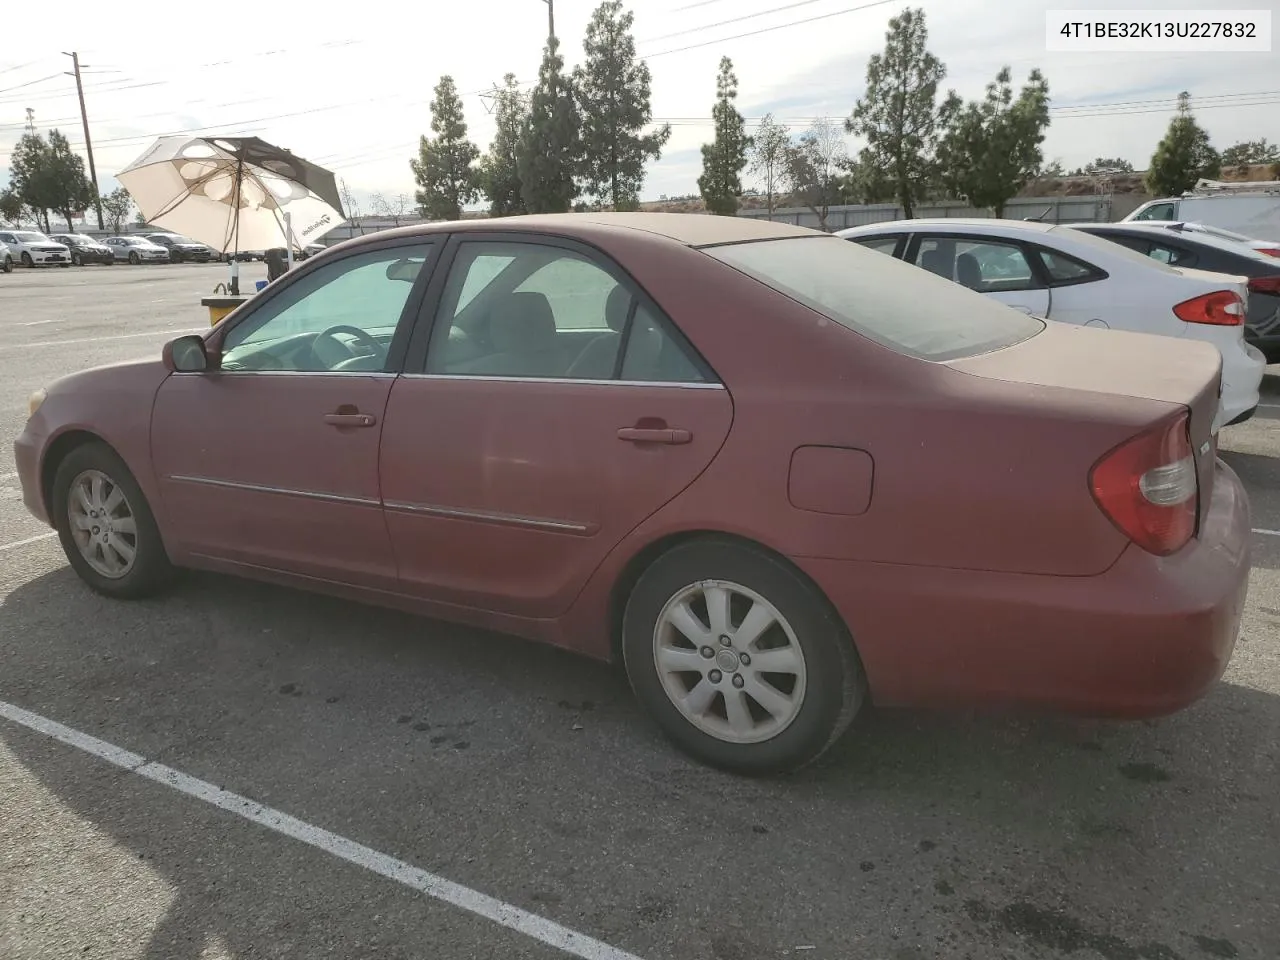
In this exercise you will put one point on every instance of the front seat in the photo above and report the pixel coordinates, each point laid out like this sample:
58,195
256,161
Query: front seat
937,261
522,335
968,271
597,359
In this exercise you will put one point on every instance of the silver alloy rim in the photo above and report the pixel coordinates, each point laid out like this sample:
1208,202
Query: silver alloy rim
103,524
729,661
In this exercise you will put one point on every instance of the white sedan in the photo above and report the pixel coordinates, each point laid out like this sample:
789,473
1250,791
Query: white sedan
1065,275
32,248
136,250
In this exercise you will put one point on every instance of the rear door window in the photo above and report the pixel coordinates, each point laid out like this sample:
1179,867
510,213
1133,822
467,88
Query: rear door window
886,300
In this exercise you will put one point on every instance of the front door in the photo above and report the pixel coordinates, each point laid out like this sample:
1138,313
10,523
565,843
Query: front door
556,409
272,459
997,268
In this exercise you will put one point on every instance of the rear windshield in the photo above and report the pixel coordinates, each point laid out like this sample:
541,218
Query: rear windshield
1112,248
896,304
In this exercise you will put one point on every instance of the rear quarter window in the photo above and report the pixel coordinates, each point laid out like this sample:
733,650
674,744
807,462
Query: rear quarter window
896,304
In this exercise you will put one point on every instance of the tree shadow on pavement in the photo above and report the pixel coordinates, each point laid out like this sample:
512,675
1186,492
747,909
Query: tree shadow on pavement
530,774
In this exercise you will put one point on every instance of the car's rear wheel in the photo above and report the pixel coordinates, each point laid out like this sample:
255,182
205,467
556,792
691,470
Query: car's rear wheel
134,259
8,264
106,526
739,658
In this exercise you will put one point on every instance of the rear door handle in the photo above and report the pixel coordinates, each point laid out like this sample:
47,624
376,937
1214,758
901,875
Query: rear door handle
350,419
654,435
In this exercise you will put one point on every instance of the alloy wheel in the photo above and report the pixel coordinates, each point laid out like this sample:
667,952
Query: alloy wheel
102,524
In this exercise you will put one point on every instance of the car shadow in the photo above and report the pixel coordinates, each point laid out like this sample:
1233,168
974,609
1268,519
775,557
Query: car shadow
530,774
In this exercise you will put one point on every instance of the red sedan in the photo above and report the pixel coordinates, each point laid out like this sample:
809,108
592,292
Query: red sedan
776,475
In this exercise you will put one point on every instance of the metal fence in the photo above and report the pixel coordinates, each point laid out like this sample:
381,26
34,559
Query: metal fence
1090,209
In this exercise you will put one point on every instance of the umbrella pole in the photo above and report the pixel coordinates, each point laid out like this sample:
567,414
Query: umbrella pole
288,237
235,231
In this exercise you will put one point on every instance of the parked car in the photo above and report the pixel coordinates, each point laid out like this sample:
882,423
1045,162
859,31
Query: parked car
84,248
1252,209
32,248
6,259
1203,251
137,249
1072,277
653,438
311,249
1270,247
181,249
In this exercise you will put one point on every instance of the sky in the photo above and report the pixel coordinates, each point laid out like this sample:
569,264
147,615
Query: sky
350,90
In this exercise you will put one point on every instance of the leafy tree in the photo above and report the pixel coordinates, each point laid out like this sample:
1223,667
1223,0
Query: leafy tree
116,207
550,146
12,209
898,114
29,172
445,166
723,160
990,148
613,91
500,168
813,168
1183,156
770,149
1053,171
1248,152
68,184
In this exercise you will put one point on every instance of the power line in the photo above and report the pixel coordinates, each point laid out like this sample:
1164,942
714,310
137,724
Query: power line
31,83
780,26
725,23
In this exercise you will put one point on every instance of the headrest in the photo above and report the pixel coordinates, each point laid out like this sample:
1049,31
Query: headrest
936,261
523,323
968,271
617,307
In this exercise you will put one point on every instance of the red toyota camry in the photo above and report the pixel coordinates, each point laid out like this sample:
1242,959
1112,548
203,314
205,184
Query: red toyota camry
774,474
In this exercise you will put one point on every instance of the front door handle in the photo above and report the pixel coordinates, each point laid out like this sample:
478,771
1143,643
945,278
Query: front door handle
654,435
345,419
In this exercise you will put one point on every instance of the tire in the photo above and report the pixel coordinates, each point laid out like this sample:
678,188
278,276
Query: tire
7,266
76,260
828,679
26,259
134,259
150,570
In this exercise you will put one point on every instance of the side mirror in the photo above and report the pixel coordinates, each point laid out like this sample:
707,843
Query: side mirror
186,355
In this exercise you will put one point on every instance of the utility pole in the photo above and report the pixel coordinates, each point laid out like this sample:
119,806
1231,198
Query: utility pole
88,144
31,122
551,17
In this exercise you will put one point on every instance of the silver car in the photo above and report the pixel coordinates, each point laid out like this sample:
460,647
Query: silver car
32,248
137,250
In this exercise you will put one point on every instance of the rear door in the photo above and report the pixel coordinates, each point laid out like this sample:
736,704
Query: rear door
547,411
1000,269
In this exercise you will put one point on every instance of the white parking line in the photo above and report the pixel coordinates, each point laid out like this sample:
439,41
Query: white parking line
505,914
1267,533
122,336
22,543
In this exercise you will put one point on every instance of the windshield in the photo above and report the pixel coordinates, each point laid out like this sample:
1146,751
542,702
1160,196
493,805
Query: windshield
175,238
891,302
30,237
79,238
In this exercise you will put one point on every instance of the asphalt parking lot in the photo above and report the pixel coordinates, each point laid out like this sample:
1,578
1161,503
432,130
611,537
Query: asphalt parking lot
530,777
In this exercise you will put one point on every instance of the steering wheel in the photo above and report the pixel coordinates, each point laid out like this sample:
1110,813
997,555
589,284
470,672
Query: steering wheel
329,337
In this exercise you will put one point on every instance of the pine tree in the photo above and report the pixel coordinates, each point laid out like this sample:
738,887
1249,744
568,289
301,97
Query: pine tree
613,92
499,170
1183,156
550,147
724,160
898,113
445,166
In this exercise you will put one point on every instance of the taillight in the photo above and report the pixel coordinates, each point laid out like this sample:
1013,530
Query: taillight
1222,308
1269,251
1147,487
1265,284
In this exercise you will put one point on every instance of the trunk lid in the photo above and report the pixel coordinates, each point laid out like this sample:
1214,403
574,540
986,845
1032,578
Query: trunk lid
1171,370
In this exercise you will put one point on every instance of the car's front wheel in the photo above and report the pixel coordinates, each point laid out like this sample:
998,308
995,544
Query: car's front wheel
76,260
26,259
134,259
7,266
739,658
106,526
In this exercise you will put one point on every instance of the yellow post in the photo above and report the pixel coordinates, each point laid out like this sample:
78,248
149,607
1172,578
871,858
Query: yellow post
219,307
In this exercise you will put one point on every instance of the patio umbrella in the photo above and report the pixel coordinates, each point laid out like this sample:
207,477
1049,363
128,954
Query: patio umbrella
233,193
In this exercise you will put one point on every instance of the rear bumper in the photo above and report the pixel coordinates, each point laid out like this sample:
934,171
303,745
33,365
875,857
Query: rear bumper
1242,370
1148,637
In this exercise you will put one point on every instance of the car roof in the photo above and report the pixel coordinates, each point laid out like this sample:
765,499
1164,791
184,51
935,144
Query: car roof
689,229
